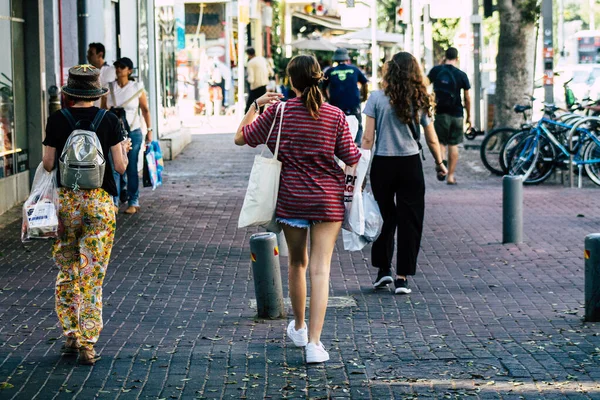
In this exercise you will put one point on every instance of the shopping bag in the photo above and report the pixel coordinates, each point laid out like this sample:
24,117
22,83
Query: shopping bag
355,176
150,174
40,210
154,147
260,201
353,241
373,222
373,218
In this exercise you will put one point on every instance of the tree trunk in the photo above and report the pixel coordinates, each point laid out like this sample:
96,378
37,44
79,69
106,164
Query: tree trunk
514,63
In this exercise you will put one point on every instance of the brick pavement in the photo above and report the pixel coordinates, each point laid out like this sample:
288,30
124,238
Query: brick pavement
485,320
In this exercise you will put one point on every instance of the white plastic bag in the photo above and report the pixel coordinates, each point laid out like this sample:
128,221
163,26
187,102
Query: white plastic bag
263,186
373,218
354,220
352,125
373,222
40,211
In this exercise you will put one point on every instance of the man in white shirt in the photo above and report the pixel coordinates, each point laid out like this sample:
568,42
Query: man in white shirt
95,56
259,71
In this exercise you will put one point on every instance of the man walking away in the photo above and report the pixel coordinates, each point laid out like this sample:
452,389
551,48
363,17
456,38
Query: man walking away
258,76
448,81
95,55
341,86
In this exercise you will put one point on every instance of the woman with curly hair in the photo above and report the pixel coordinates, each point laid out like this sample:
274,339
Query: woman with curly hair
396,172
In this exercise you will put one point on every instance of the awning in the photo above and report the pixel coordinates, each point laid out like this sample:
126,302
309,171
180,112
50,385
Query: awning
327,22
365,36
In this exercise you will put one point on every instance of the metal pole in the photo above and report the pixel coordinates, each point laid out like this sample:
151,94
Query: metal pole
476,21
512,209
592,277
416,28
267,275
408,30
82,19
241,70
428,37
547,11
374,47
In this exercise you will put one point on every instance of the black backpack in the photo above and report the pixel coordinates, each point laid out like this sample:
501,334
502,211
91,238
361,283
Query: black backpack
445,88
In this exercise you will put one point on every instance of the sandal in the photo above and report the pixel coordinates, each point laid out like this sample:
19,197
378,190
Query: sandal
71,346
87,356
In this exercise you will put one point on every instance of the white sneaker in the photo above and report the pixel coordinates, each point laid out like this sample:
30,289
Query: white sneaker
316,353
300,336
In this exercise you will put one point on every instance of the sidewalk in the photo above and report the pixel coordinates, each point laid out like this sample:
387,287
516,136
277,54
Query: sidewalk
485,320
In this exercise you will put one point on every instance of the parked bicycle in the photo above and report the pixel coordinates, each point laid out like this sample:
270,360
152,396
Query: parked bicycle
538,153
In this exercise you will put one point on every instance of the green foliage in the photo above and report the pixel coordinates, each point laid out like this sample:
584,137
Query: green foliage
444,31
277,51
530,10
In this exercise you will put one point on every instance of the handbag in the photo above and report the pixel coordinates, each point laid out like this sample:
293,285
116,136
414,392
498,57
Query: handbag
119,111
260,201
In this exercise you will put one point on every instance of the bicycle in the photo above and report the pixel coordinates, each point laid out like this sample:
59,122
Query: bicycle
494,141
540,152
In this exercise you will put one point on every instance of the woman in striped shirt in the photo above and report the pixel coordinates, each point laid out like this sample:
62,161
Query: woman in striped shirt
310,192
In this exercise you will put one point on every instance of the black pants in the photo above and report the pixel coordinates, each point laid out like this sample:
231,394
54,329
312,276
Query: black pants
255,94
399,188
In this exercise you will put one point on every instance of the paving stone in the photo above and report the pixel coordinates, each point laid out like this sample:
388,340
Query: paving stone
485,320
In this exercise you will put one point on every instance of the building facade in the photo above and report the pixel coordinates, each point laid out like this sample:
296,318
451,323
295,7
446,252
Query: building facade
51,36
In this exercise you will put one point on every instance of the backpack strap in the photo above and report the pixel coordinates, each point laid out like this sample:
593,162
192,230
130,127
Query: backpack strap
69,117
416,132
97,119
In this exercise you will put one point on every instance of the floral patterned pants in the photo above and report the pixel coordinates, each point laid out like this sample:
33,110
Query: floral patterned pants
82,252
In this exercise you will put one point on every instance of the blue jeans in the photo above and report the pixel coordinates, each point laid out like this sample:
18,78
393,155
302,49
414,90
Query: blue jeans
133,179
120,181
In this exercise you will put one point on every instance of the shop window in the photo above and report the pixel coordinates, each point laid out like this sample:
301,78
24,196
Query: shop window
7,118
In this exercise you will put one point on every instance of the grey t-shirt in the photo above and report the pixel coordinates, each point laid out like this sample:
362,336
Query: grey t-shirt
393,138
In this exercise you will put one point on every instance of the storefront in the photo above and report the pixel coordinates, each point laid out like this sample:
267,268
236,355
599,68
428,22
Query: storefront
14,165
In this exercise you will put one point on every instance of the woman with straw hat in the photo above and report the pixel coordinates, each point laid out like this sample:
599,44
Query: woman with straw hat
86,216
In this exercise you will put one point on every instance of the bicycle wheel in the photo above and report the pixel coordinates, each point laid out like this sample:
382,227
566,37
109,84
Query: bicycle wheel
523,157
591,157
491,147
545,163
510,144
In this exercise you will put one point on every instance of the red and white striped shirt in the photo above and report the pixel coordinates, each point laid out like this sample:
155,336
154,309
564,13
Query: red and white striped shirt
312,184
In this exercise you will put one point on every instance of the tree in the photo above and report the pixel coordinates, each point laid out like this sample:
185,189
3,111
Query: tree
515,59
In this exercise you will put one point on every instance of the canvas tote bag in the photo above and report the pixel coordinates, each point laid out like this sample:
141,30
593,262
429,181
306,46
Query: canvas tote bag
263,187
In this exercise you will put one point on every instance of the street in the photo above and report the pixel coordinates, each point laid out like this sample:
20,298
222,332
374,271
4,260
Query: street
484,320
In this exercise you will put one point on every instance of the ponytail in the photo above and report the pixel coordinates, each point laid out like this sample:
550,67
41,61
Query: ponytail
312,98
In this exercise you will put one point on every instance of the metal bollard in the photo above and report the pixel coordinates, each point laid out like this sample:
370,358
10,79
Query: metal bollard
267,275
592,277
512,209
53,99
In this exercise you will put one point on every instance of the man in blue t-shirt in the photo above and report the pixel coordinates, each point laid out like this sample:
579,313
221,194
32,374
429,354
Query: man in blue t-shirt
341,86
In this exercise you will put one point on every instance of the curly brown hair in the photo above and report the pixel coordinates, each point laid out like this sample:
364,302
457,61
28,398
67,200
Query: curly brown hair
405,85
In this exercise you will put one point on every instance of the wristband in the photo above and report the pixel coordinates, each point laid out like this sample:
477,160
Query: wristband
149,129
439,164
256,107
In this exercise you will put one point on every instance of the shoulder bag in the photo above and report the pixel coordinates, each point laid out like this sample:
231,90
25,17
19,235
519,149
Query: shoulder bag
263,186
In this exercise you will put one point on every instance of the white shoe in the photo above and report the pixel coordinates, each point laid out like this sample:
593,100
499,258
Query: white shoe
300,336
316,353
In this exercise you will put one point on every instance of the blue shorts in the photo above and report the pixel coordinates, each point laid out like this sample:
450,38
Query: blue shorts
296,222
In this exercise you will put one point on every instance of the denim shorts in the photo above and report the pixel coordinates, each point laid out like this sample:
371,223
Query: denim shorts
296,222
